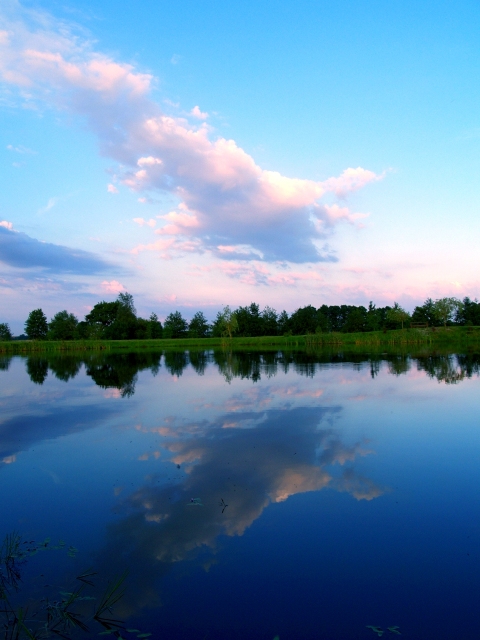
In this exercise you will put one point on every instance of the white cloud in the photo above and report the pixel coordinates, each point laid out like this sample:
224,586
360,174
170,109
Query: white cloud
50,204
196,113
20,149
113,286
143,223
226,199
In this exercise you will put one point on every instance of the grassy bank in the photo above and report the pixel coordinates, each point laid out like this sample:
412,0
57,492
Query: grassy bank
451,337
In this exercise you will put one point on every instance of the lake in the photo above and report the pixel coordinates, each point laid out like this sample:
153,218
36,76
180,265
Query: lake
252,495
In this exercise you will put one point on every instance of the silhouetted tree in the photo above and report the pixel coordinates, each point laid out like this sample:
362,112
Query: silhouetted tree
175,326
154,329
63,326
36,326
198,326
5,333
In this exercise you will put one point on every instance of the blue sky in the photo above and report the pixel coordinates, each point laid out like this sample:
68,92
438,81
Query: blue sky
203,154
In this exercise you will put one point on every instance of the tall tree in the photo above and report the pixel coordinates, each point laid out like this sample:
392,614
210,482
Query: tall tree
175,326
36,326
5,333
397,315
283,323
468,313
269,321
226,323
126,300
62,326
103,314
426,313
198,326
154,329
445,309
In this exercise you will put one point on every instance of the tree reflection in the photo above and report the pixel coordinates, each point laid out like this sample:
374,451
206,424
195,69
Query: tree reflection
37,369
5,362
65,368
118,370
176,362
450,369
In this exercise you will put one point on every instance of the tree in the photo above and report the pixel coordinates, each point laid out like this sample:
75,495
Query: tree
198,326
5,333
304,320
445,309
175,326
269,321
103,314
126,300
468,313
283,323
226,323
355,320
36,326
397,315
113,320
426,313
62,326
154,329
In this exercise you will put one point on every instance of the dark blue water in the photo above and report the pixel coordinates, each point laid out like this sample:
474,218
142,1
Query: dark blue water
352,485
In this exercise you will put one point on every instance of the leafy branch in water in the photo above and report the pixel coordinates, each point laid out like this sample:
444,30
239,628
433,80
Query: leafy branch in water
63,617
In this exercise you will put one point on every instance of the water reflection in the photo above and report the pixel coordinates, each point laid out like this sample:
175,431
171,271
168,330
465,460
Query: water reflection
20,432
247,460
119,371
276,450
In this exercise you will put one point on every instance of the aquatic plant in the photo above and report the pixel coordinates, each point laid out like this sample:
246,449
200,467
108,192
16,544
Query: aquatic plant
63,617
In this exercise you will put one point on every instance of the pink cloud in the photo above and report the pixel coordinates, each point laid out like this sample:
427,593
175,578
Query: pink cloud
111,188
143,223
7,225
351,180
169,248
113,286
196,113
179,223
226,198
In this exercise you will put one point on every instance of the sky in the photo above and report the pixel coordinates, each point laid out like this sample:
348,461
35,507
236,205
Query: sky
204,154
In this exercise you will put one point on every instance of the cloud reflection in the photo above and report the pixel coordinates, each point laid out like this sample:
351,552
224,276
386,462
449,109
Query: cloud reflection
281,454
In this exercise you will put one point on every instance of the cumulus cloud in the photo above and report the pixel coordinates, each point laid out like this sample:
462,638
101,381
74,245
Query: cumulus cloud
142,222
232,200
21,251
196,113
113,286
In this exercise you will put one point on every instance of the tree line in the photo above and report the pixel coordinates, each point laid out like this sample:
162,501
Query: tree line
118,320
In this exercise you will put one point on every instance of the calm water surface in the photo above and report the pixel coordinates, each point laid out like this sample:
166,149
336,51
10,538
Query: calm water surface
352,488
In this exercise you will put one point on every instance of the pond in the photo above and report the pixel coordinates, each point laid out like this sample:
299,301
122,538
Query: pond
252,495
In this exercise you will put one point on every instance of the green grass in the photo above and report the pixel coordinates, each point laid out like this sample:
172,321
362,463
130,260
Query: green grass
438,337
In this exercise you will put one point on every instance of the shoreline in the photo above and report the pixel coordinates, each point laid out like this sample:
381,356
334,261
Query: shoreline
461,337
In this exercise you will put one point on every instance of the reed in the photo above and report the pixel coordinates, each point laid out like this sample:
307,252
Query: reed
435,336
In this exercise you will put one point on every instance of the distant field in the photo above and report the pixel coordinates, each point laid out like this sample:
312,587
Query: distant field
451,336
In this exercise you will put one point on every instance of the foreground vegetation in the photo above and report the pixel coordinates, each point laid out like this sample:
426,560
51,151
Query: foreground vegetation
451,337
